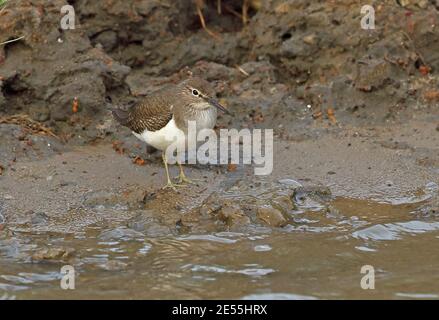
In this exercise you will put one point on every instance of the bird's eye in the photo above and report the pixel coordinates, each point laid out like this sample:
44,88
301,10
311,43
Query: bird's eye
195,92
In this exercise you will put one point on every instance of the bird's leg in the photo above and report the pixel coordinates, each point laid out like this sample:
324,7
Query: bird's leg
182,178
169,184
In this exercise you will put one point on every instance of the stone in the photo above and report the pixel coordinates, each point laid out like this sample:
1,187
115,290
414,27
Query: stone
52,254
271,217
39,113
233,216
108,39
283,203
372,74
39,218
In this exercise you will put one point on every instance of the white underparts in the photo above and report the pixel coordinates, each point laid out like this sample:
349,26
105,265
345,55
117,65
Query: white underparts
164,137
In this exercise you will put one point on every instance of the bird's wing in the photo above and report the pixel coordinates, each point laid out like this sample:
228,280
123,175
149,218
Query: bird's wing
152,114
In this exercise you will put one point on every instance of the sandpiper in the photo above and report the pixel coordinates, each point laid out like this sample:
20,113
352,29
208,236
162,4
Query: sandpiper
163,116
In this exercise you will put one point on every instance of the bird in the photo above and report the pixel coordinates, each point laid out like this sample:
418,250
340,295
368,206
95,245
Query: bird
163,116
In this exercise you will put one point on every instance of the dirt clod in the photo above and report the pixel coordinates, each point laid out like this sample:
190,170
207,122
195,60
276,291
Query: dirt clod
52,254
271,217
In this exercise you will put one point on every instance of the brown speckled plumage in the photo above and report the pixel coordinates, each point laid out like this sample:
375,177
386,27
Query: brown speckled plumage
190,100
152,113
157,109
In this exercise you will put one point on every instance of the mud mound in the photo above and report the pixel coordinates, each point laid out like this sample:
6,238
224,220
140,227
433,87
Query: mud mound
293,60
320,49
44,72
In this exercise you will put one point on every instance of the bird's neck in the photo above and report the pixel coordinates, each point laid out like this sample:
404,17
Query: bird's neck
204,116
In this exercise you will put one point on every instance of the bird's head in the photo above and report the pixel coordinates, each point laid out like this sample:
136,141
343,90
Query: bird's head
199,94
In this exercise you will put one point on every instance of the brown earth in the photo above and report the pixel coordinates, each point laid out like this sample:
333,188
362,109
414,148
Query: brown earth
355,115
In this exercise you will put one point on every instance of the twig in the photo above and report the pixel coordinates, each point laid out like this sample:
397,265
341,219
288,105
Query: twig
244,15
5,5
242,71
203,23
27,123
218,6
245,7
13,40
233,11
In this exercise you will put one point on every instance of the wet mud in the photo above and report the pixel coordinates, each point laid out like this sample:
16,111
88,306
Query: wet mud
355,179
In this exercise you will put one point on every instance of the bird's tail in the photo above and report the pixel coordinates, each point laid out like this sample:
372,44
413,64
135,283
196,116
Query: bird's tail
121,116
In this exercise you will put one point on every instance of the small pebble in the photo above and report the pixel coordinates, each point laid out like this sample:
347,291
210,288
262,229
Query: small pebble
271,217
262,248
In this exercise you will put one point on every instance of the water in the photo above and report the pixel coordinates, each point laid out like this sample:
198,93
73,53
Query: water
318,255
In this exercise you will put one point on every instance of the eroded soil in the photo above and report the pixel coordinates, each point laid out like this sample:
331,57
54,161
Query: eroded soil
354,197
356,152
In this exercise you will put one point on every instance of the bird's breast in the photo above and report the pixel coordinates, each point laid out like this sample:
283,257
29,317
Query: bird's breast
206,119
203,118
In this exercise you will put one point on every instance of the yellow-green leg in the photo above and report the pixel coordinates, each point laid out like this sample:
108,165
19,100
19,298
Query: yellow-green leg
182,178
169,183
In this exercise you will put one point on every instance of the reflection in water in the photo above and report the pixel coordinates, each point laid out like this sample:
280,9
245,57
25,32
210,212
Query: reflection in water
395,231
262,247
208,237
318,255
253,272
418,295
277,296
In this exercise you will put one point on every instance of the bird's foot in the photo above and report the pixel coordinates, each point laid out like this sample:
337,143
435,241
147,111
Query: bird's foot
172,186
183,179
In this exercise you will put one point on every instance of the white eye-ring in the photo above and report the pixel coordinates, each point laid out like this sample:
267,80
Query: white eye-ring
195,92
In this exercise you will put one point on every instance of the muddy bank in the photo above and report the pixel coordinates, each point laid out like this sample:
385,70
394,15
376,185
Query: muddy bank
290,54
301,69
99,184
356,169
341,201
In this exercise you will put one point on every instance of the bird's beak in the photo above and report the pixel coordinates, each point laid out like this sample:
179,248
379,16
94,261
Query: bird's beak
216,104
